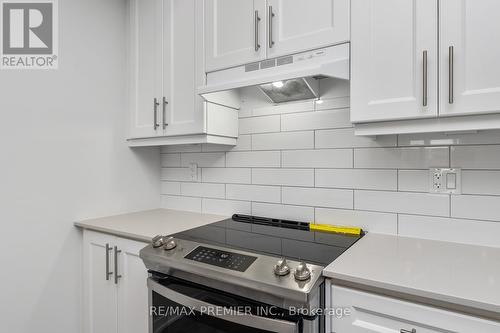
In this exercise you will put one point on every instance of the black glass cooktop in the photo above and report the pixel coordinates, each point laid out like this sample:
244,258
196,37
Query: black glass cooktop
275,237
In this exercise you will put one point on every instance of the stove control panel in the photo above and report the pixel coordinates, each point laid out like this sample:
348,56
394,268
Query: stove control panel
224,259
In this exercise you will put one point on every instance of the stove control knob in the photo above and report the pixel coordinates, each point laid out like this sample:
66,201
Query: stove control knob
157,241
169,244
281,268
302,272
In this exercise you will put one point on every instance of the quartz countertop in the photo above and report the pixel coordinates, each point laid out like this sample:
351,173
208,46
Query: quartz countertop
465,275
144,225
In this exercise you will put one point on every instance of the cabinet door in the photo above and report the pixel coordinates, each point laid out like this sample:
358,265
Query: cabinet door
233,35
298,25
182,67
132,288
472,71
145,56
372,313
389,41
100,299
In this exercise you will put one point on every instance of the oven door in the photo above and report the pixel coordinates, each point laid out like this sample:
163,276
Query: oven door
178,306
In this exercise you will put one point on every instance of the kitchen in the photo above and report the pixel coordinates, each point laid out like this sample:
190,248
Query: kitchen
337,155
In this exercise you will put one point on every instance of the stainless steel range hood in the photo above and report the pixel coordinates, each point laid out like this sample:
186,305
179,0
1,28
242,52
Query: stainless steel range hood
282,79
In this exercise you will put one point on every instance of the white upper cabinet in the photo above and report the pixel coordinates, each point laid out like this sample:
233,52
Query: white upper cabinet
471,28
145,59
235,32
394,60
243,31
298,25
181,107
167,67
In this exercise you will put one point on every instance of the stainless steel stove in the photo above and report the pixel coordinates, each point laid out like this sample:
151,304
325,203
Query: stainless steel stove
244,274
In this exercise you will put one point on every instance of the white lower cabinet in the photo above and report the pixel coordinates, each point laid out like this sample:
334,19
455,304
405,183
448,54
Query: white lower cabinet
372,313
113,303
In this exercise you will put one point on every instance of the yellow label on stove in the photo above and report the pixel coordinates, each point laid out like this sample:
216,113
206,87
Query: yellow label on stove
352,231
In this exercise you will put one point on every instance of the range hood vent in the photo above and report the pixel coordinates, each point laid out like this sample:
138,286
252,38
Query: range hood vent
283,79
291,90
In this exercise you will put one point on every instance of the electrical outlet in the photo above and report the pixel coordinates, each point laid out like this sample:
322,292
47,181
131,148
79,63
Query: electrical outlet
193,167
445,180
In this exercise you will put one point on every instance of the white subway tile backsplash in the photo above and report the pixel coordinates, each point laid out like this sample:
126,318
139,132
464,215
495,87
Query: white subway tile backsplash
475,157
265,124
302,161
316,120
287,212
402,158
171,160
283,140
475,232
254,193
178,174
320,197
333,103
206,190
345,138
181,203
283,108
227,175
254,159
173,188
226,207
357,179
277,176
476,207
481,182
244,142
383,223
323,158
204,159
413,180
403,202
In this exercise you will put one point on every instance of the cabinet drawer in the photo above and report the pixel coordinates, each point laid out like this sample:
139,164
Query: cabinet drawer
378,314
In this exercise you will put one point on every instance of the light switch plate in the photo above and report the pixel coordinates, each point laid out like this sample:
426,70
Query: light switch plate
193,167
445,180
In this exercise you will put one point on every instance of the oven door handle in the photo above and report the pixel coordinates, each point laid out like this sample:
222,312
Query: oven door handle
263,323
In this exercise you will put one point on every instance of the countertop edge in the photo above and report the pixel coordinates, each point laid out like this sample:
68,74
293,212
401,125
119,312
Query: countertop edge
143,225
139,238
447,302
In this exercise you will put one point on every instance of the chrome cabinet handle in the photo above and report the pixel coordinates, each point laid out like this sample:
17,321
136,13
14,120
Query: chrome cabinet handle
117,276
271,15
407,331
155,110
165,102
108,273
450,74
256,30
424,78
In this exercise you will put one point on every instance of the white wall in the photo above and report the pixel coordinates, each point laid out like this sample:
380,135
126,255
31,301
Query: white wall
63,158
302,161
